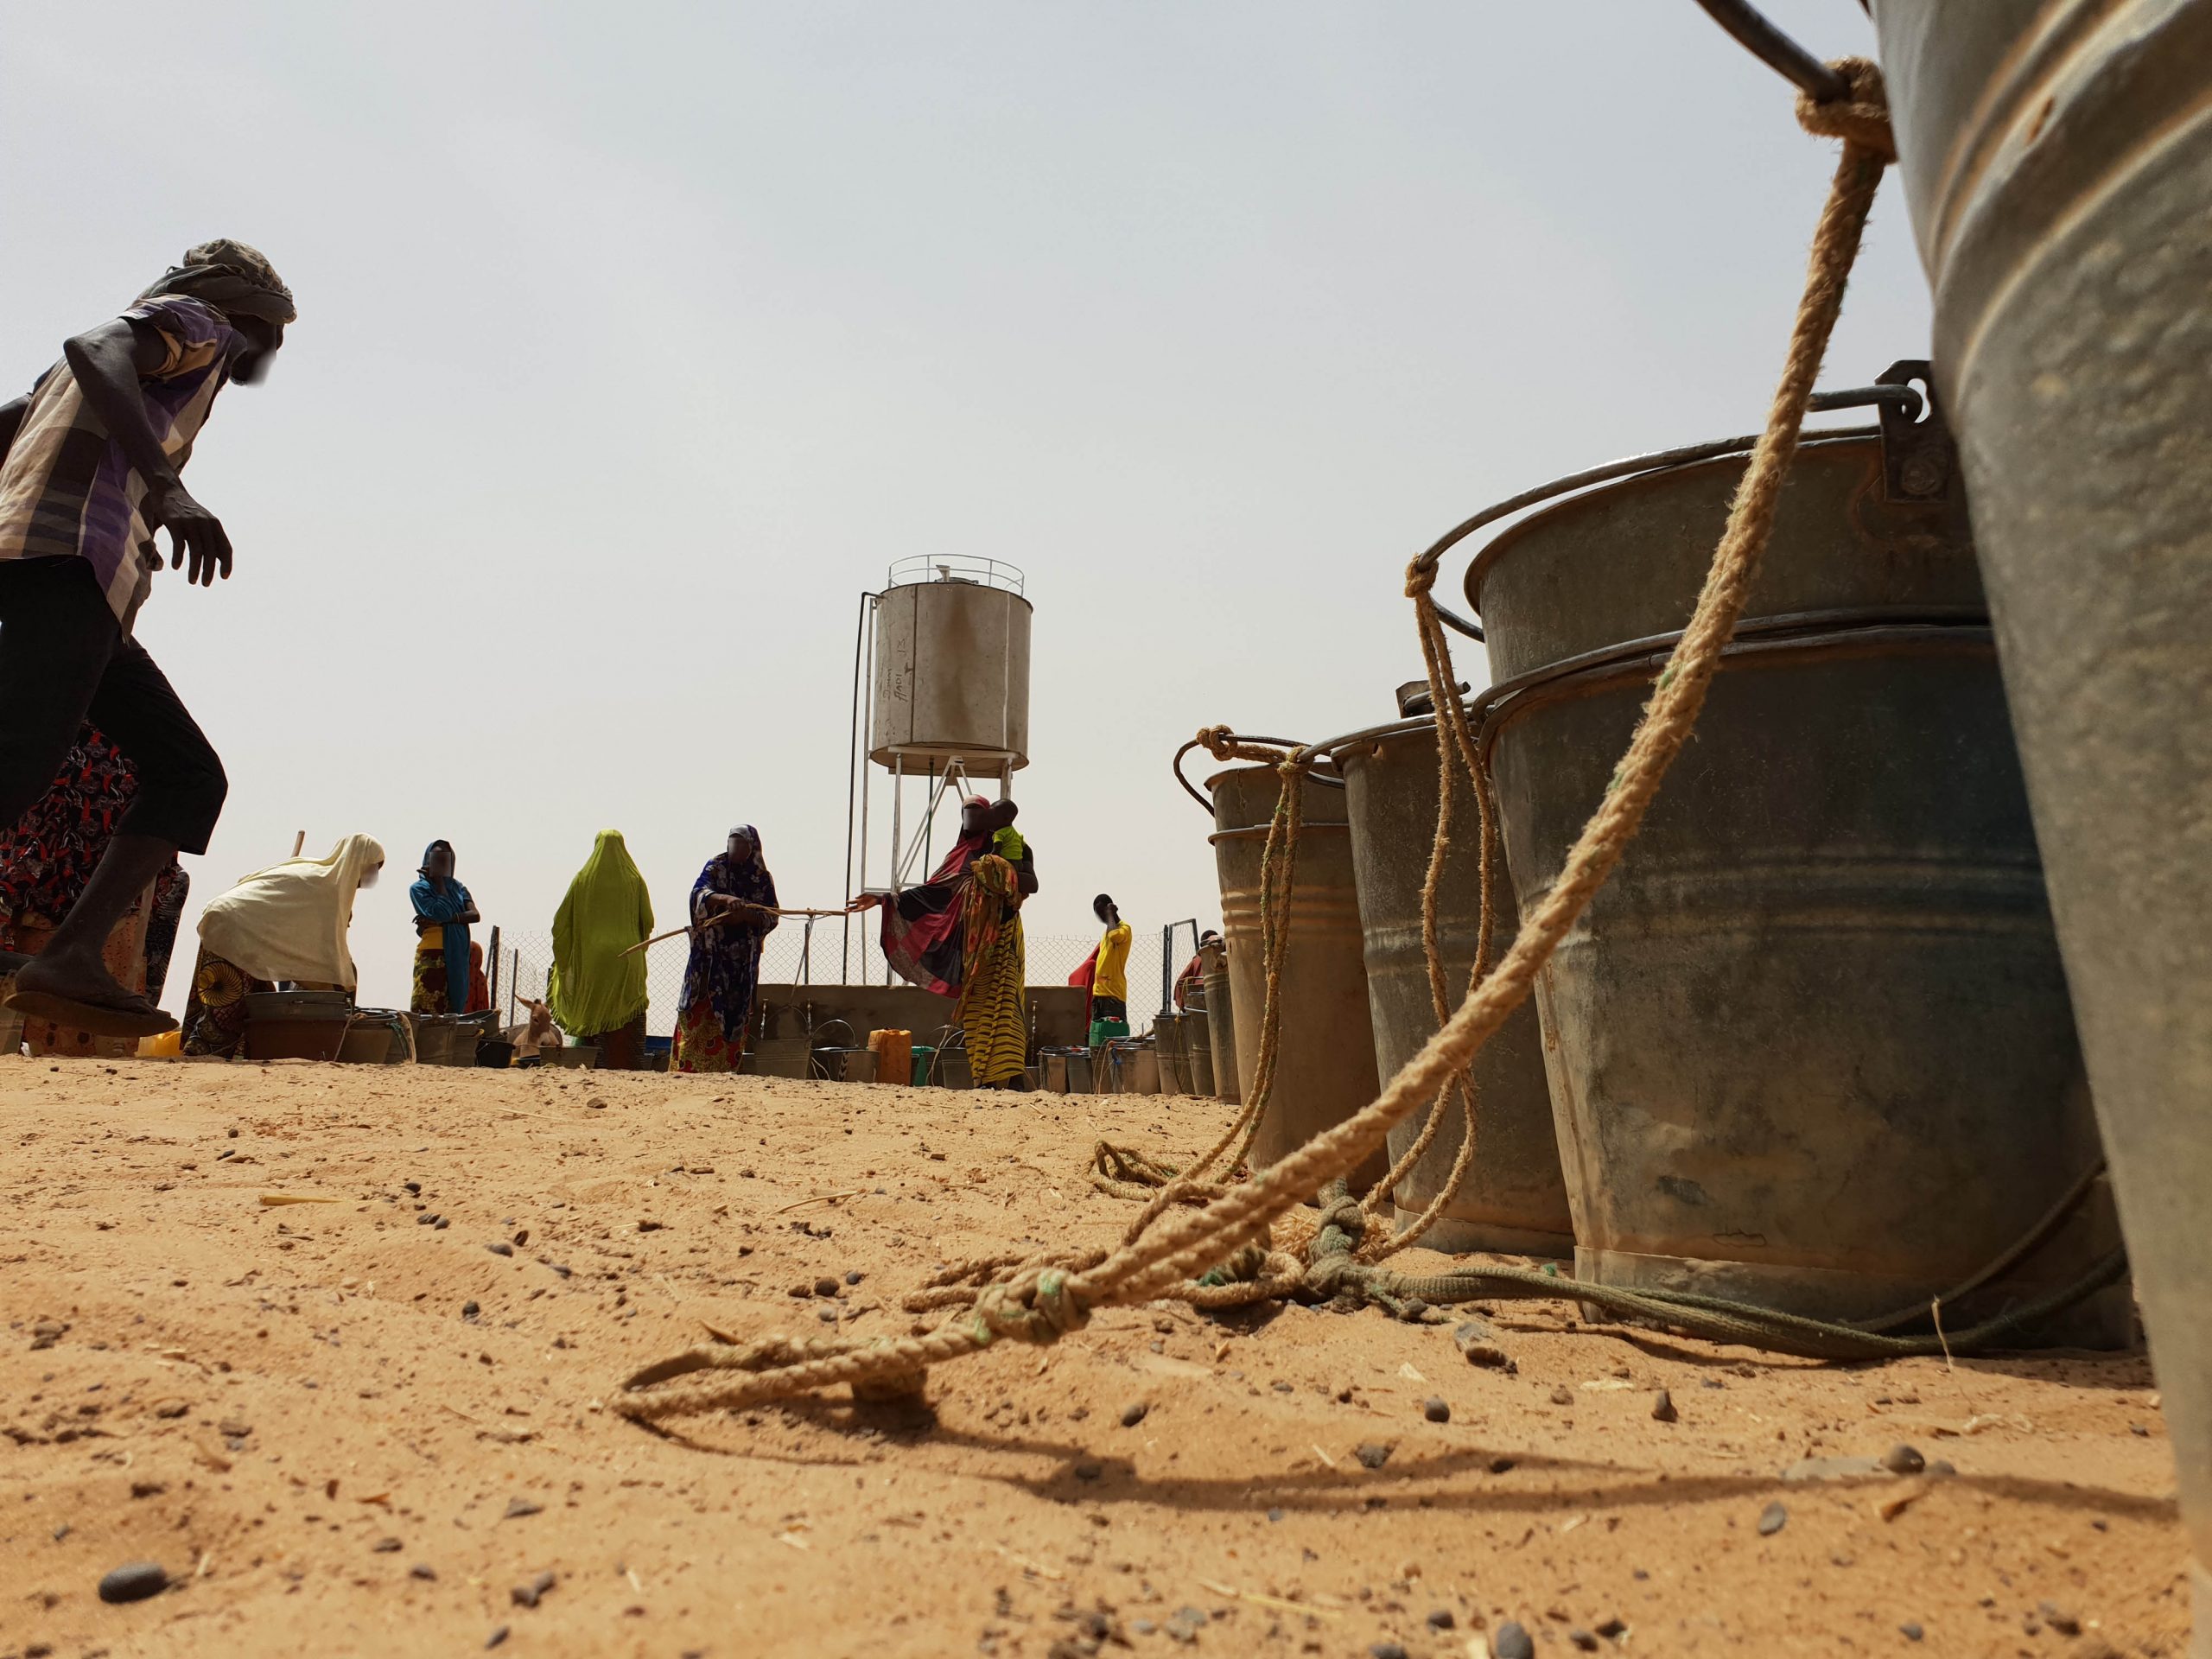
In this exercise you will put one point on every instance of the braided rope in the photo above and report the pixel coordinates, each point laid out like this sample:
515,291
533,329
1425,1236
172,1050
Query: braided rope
1041,1303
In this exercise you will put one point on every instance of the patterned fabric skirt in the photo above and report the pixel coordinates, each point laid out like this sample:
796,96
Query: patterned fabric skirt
214,1017
622,1049
430,995
991,1013
704,1043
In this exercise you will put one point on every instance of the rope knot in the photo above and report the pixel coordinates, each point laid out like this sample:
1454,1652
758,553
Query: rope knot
1421,578
1329,1276
1219,741
1860,117
1343,1212
1042,1313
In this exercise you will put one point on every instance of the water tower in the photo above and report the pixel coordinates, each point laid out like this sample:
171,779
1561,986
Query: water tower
944,654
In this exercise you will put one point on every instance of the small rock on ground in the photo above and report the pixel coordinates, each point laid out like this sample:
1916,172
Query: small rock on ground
1372,1454
1133,1414
1436,1409
1903,1459
1663,1408
134,1581
1772,1519
1512,1642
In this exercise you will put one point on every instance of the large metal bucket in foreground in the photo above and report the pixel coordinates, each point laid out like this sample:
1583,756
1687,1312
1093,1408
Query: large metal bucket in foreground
2058,159
1325,1060
1514,1199
1810,1047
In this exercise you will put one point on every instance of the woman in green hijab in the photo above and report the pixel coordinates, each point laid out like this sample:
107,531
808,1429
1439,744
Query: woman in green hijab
598,994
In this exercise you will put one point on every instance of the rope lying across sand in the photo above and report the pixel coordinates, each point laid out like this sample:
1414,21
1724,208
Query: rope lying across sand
1220,1253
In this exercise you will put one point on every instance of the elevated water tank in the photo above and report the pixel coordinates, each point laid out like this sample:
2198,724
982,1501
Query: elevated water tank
952,667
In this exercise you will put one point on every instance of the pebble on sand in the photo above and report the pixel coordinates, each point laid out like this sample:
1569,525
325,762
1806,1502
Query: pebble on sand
1772,1519
1512,1642
1910,1631
500,1247
1436,1409
1386,1650
825,1285
1441,1619
135,1581
529,1595
1663,1408
1372,1454
1133,1414
1478,1343
518,1507
1903,1459
499,1635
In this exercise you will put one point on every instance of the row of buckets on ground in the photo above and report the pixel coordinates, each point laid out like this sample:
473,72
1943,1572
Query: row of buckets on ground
1811,1046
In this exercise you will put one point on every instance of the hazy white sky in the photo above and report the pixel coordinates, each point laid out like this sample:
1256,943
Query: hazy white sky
636,342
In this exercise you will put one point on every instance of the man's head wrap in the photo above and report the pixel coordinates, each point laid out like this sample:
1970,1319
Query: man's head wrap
235,279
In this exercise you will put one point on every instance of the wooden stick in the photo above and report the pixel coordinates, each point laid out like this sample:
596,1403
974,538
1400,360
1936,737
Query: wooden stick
712,921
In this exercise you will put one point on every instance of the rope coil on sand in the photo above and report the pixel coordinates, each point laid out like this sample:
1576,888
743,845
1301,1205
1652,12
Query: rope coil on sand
1219,1254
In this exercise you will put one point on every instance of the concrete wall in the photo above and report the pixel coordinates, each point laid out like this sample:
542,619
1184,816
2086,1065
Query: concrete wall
1055,1012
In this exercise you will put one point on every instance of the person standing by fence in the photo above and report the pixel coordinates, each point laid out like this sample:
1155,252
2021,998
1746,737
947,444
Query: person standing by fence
732,911
1109,978
598,983
443,911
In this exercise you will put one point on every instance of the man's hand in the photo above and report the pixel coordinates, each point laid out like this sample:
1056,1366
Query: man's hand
193,530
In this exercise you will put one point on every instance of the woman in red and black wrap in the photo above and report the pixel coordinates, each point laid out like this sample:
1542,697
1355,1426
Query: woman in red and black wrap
959,934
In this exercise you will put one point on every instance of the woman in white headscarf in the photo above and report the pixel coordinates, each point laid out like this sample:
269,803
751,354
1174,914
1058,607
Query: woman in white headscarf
288,923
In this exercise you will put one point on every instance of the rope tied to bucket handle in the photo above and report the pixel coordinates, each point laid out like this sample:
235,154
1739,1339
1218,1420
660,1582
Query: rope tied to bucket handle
1125,1173
1173,1245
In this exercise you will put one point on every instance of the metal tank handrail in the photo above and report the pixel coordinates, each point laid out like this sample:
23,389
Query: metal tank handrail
1907,403
980,573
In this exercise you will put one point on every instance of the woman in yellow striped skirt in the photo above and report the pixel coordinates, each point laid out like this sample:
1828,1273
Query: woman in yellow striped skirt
959,934
991,1013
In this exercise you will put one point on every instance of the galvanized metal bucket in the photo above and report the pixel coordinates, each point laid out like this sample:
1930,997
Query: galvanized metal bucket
1811,1045
2057,157
1167,1037
1197,1052
1221,1022
1514,1199
1325,1063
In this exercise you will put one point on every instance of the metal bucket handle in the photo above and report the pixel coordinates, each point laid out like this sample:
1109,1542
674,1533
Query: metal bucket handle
1899,403
1176,765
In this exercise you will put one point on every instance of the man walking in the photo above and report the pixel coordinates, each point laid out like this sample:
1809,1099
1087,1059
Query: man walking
1109,979
88,468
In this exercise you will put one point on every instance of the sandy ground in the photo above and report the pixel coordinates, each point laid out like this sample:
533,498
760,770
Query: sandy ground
343,1430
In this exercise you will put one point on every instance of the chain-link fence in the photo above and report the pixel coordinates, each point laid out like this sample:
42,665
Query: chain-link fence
789,958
